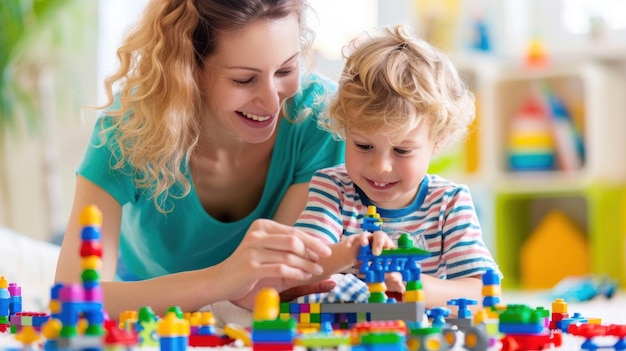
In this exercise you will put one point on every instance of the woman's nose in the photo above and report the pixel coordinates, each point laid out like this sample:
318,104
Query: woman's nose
268,96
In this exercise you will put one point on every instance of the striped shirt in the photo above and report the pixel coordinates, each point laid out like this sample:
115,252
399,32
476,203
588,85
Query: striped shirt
441,219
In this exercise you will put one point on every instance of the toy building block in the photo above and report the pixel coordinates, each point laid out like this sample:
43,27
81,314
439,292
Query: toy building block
463,311
525,328
430,338
322,340
269,332
28,319
146,327
594,332
119,337
406,311
237,332
10,303
71,303
27,336
437,316
173,332
205,333
404,259
371,220
491,288
127,320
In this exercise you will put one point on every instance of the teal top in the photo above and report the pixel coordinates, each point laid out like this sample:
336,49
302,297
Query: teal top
187,238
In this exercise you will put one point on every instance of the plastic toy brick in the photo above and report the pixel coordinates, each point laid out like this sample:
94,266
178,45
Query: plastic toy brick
323,340
198,340
27,335
477,339
430,338
236,332
406,311
371,221
462,303
520,342
438,316
117,336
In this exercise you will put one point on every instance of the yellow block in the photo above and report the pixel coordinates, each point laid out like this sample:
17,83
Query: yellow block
492,290
533,140
559,306
414,296
556,249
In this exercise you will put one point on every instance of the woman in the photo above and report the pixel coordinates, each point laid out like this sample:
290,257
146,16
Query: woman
201,162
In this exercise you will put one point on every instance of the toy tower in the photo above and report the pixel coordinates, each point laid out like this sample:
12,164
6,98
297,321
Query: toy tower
71,302
10,303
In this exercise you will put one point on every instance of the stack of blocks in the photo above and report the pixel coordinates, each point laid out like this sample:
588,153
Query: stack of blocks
10,302
269,332
74,303
173,331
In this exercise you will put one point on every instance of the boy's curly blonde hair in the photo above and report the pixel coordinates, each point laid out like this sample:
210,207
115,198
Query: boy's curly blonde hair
157,124
393,81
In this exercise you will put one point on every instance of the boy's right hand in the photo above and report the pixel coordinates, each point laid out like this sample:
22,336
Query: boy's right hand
378,240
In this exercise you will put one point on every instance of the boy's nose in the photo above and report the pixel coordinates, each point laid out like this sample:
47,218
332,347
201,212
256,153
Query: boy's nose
381,164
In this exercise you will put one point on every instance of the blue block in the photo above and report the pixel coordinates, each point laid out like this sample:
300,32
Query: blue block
518,328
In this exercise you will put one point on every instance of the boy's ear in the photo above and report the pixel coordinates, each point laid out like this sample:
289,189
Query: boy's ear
436,148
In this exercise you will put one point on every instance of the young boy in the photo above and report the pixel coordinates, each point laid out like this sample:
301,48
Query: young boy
399,101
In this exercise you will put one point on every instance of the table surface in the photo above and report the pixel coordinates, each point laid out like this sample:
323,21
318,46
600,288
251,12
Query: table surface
610,311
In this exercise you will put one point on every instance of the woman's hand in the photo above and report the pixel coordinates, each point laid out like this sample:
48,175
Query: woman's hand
288,291
280,255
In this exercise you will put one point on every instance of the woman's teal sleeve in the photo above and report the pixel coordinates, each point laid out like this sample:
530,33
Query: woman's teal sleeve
97,167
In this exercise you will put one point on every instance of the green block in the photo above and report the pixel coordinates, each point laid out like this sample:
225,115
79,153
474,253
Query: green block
382,338
90,275
68,331
277,324
95,330
377,297
414,285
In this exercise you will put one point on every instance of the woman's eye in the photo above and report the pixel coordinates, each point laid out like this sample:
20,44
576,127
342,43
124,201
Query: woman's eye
243,82
363,146
284,72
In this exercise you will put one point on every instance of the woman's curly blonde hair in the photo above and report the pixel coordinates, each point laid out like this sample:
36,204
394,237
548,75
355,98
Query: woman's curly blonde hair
391,82
157,126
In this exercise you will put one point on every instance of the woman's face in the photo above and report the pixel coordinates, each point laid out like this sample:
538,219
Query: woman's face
249,77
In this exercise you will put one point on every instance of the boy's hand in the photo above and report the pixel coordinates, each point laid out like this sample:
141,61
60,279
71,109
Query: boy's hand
394,282
380,240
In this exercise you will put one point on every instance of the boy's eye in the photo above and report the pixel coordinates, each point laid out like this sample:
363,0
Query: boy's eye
364,147
402,151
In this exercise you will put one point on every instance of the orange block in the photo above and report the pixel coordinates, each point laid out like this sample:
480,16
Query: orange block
556,249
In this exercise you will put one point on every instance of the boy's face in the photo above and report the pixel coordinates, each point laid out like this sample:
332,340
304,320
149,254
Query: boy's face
389,174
